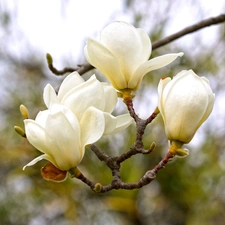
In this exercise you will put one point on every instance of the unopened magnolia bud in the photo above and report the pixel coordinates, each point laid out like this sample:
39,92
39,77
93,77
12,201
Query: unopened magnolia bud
152,146
185,102
20,131
97,187
49,59
24,111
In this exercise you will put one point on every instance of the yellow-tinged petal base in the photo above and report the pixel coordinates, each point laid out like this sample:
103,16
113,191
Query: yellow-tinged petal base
126,94
177,150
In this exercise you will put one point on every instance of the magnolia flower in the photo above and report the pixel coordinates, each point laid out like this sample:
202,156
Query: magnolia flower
122,54
78,116
185,102
61,137
78,96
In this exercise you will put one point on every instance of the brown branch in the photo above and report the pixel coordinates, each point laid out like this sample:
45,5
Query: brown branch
81,69
56,71
129,103
101,155
117,183
188,30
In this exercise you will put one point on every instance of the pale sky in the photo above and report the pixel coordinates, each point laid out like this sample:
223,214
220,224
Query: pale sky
59,28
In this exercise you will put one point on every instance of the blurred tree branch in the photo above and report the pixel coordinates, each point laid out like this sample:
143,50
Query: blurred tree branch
188,30
83,68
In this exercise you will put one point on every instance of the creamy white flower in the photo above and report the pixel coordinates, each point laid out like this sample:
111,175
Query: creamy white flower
78,116
185,102
122,55
61,137
78,95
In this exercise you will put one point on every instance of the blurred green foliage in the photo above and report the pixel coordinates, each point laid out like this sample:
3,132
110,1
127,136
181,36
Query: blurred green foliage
188,191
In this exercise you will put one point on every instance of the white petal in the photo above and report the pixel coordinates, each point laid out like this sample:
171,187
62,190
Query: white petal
101,58
71,81
211,100
162,84
39,158
36,135
210,94
150,65
90,93
71,117
111,98
146,44
49,95
181,74
64,141
42,117
126,43
117,124
92,126
110,123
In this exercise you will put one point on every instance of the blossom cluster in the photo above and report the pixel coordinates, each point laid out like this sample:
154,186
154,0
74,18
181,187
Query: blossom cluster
81,113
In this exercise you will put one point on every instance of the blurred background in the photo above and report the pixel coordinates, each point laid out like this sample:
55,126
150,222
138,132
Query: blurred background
188,191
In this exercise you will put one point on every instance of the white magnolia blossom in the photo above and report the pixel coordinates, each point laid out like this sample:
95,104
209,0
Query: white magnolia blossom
61,137
78,95
78,116
122,54
185,102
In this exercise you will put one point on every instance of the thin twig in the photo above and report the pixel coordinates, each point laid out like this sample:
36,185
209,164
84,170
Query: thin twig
56,71
130,107
101,155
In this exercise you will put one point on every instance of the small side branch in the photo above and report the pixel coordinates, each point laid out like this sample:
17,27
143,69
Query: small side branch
56,71
81,69
101,155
